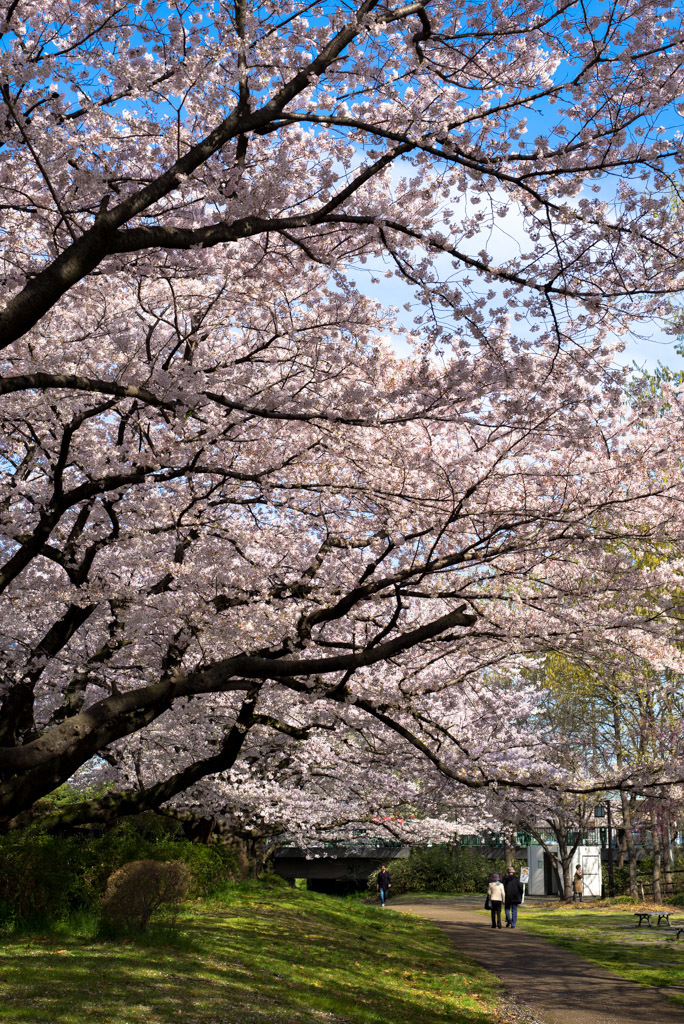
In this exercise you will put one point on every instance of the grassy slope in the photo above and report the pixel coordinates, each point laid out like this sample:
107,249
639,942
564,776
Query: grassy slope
609,937
257,957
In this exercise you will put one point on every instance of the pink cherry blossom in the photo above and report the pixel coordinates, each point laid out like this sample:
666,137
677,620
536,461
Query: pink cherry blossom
252,558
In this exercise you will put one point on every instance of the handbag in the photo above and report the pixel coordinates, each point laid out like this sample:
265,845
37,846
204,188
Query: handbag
488,903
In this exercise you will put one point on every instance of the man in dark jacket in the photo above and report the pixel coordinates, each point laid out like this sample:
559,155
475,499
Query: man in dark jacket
384,883
514,895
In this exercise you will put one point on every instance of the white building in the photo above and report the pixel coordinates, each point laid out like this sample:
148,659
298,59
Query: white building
543,881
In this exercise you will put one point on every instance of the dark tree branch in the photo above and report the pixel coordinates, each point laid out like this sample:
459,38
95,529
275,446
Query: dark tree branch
108,808
40,766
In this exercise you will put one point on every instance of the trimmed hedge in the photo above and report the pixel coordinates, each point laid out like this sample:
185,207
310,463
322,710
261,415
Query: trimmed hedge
138,890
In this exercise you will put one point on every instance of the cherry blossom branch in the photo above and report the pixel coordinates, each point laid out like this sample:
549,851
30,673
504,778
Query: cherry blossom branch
41,380
122,714
112,806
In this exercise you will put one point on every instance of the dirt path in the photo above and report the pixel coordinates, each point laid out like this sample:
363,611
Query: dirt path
557,985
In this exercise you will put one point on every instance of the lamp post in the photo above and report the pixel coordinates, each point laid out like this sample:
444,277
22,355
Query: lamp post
601,811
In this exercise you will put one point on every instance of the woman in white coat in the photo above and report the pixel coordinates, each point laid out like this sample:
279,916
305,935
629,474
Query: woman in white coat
497,895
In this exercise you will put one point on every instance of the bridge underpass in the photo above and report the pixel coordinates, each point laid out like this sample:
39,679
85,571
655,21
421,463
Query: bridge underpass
336,867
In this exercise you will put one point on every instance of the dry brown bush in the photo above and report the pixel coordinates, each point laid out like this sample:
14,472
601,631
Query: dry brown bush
138,889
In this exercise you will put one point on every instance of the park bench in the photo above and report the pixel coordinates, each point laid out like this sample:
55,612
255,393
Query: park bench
647,915
680,929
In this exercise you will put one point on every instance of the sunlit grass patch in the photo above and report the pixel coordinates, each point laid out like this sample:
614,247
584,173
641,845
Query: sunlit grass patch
253,957
609,937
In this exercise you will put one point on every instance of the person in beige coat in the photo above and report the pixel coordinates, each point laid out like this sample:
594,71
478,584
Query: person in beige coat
497,895
578,884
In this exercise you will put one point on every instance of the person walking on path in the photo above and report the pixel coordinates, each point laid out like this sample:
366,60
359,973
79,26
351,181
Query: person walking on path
578,884
514,895
384,884
497,895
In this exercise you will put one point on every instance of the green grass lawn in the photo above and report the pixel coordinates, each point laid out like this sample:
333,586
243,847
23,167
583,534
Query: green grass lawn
609,937
259,956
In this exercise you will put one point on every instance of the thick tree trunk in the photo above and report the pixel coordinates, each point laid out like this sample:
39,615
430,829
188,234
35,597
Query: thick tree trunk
657,862
667,858
562,859
567,878
629,844
200,830
622,848
565,861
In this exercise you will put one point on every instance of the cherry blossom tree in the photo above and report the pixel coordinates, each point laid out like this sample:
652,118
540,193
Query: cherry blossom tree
230,512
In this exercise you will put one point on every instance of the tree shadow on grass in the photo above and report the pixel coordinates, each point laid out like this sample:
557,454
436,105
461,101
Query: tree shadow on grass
242,968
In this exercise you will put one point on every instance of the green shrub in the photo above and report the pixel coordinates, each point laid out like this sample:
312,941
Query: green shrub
448,868
146,839
272,880
620,879
47,878
140,889
42,877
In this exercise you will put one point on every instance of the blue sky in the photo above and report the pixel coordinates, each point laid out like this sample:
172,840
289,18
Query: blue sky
648,345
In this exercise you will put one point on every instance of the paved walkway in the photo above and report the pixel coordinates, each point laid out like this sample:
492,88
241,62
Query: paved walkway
557,985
